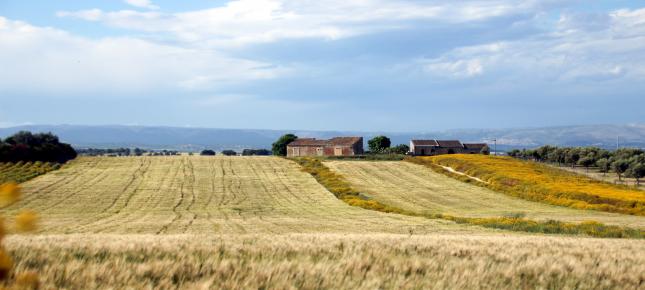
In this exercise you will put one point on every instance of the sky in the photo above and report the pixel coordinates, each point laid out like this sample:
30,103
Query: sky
364,65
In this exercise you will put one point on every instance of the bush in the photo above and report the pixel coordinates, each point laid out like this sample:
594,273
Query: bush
279,148
229,153
207,152
25,146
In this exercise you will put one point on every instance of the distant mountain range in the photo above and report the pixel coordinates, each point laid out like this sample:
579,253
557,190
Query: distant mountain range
194,139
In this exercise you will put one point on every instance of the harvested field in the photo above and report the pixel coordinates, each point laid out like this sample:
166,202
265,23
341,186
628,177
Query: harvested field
199,195
330,261
414,187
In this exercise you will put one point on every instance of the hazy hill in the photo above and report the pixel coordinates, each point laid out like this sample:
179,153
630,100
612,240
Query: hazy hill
198,138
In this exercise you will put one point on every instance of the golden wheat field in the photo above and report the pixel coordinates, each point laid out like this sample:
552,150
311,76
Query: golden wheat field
194,222
414,187
195,194
331,261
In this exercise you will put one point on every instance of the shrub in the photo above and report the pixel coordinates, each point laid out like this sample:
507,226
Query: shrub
279,148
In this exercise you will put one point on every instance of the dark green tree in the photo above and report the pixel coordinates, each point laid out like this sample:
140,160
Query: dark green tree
207,152
379,144
399,149
603,165
586,162
229,153
279,148
619,167
636,170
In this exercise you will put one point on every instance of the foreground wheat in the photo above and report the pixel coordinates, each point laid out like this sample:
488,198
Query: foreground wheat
331,261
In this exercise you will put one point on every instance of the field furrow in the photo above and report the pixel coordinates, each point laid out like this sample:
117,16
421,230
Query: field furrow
414,187
199,194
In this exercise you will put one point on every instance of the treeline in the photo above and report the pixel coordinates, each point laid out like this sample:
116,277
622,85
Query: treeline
125,152
625,162
245,152
25,146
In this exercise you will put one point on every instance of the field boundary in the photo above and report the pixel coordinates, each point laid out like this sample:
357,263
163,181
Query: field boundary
343,190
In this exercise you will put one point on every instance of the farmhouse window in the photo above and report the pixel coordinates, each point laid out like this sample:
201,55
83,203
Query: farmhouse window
338,151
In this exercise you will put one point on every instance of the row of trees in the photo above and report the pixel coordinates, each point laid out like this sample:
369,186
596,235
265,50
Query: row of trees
25,146
628,162
245,152
116,151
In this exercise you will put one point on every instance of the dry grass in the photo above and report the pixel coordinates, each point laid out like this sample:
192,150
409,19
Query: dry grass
539,182
195,194
330,261
608,177
416,188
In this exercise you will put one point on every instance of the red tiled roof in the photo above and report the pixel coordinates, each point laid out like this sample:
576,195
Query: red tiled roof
425,143
340,141
307,142
347,141
450,143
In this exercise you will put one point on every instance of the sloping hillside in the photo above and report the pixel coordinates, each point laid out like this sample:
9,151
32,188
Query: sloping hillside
195,194
542,183
414,187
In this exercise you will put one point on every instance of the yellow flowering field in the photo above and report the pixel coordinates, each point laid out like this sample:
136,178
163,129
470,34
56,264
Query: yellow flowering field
539,182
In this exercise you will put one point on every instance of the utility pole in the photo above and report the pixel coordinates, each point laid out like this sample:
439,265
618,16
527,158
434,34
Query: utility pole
495,140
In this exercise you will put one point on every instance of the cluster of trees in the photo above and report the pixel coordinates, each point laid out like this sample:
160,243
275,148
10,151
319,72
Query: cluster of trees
163,153
381,145
117,152
628,162
25,146
255,152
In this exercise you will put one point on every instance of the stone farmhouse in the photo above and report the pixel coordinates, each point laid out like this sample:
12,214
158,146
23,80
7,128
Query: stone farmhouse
338,146
438,147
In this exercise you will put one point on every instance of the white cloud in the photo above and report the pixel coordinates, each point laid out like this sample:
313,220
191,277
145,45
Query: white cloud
142,4
243,22
577,51
458,68
37,59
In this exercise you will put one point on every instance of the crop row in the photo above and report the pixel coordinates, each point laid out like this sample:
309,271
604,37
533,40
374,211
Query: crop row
22,171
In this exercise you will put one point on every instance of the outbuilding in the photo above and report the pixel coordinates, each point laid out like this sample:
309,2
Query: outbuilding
337,146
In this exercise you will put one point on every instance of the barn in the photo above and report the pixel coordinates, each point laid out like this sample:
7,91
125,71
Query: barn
438,147
338,146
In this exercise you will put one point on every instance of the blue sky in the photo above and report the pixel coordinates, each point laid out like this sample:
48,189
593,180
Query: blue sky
369,65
